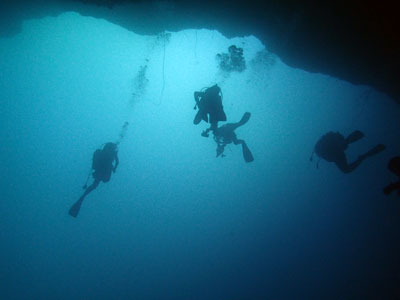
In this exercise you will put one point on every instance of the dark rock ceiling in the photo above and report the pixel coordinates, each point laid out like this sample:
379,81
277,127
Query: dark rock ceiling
357,41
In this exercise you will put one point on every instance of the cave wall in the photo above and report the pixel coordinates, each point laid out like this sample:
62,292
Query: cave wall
357,41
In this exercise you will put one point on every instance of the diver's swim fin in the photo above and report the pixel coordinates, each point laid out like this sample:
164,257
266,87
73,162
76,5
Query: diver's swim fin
74,210
248,157
354,136
244,119
377,149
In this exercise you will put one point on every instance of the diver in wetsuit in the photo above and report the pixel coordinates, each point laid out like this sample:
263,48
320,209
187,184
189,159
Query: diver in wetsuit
332,145
103,165
209,103
226,135
394,167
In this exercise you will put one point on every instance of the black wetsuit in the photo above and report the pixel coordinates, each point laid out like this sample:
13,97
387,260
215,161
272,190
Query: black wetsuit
210,107
225,135
103,167
332,145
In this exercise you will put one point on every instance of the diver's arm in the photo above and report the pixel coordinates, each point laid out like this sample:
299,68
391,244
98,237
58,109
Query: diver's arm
116,163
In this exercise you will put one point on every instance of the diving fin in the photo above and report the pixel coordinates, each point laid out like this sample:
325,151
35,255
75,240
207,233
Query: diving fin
74,210
377,149
354,136
244,119
248,157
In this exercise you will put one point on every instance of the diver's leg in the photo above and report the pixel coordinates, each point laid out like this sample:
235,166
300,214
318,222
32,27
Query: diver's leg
341,163
74,210
243,120
93,186
373,151
347,168
205,132
213,127
236,141
107,175
247,155
220,150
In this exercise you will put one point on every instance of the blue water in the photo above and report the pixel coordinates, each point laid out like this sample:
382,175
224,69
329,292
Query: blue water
175,222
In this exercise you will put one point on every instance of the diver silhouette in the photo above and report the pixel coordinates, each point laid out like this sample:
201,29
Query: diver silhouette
331,147
226,135
209,103
394,167
102,166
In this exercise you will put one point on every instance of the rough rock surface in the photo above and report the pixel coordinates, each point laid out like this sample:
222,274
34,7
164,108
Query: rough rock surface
357,41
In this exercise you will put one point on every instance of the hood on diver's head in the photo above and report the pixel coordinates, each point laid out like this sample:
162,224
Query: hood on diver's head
215,89
110,147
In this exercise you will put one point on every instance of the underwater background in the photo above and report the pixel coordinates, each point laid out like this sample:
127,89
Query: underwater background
175,222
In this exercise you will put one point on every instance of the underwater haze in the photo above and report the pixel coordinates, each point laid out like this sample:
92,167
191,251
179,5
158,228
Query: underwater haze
175,221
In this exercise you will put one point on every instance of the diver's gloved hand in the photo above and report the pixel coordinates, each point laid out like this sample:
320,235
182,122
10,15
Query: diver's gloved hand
205,134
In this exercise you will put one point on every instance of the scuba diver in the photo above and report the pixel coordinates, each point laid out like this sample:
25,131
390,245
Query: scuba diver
209,103
226,134
332,145
394,167
102,166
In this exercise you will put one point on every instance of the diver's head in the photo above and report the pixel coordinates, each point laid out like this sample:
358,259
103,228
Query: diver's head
112,147
394,165
215,89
